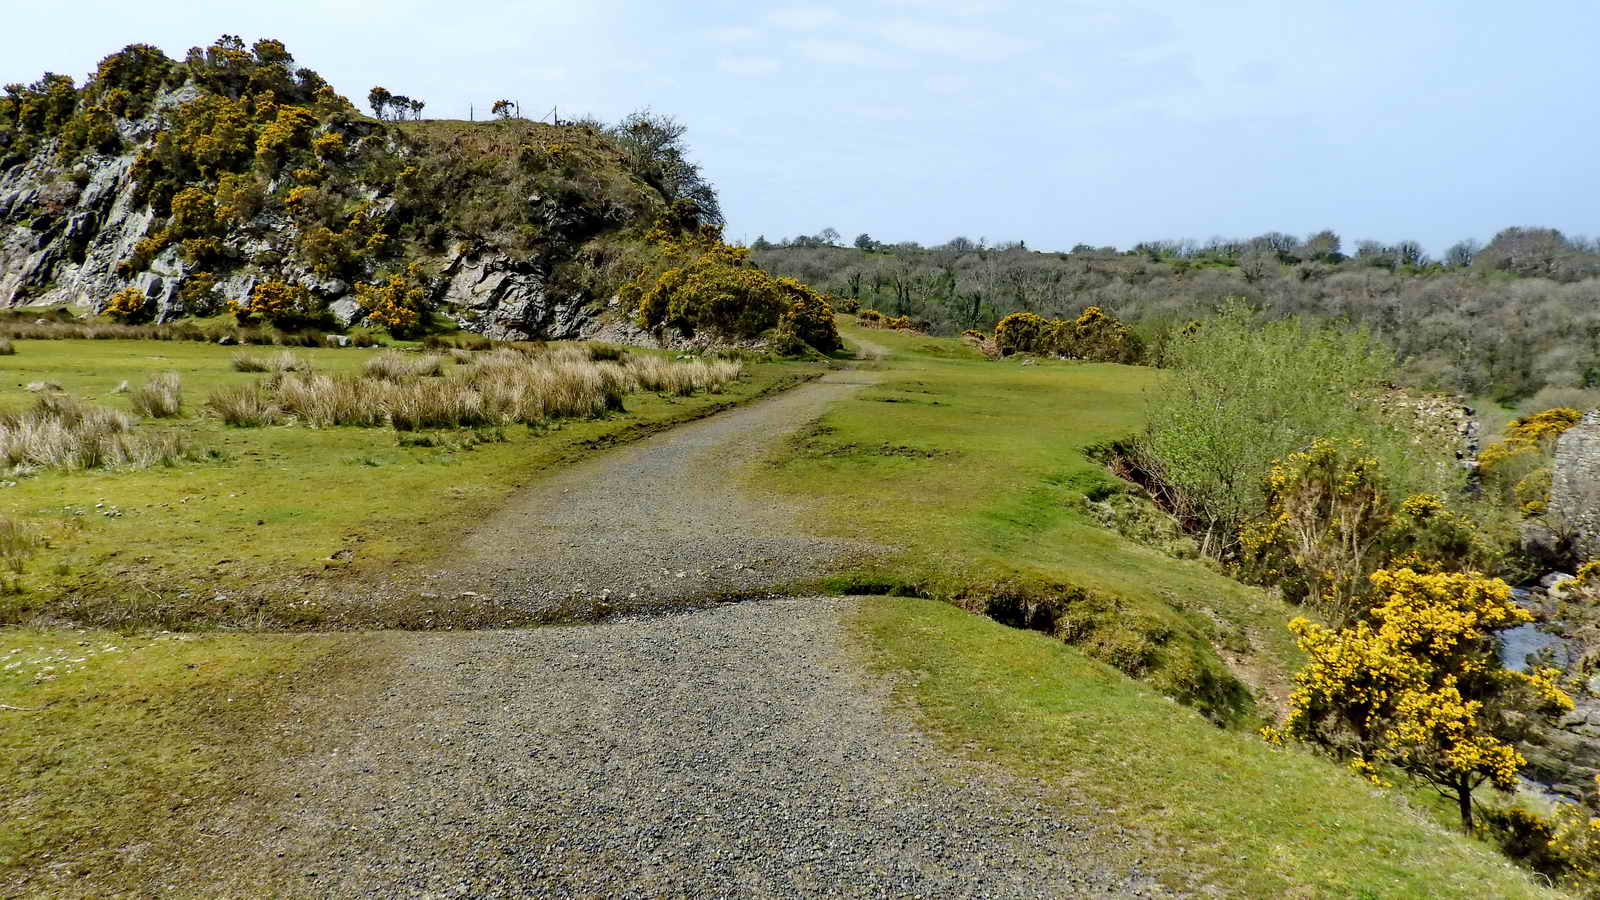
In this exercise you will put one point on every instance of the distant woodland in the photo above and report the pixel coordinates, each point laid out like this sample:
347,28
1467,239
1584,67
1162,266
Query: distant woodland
1507,319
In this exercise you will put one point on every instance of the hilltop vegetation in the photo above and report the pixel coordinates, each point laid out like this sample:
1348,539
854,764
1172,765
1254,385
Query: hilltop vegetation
235,182
1506,320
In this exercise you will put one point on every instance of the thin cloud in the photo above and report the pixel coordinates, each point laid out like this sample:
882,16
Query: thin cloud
749,66
972,44
805,18
734,34
845,53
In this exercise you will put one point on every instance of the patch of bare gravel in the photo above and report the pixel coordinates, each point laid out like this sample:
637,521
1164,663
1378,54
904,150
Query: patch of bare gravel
733,751
649,525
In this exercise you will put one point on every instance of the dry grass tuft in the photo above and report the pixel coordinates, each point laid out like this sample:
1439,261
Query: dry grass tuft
244,406
285,361
160,397
58,432
509,385
248,362
121,388
682,378
18,544
393,365
43,387
6,348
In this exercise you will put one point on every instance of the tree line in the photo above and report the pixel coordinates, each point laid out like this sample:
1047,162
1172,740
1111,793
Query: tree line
1507,318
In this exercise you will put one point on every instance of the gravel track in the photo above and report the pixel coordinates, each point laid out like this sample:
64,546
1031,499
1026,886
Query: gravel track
732,751
651,524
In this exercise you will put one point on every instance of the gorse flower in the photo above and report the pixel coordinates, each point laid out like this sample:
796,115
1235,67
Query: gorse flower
1417,686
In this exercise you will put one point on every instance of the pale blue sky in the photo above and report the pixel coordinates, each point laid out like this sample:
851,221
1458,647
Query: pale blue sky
1054,123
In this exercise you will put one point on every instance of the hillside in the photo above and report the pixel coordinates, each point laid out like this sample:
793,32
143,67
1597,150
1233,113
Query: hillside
235,177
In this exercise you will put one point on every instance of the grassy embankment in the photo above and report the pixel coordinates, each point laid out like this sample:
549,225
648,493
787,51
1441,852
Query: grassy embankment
256,538
976,471
1217,810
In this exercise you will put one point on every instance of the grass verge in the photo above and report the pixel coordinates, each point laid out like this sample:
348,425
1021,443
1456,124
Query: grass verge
1220,810
112,744
977,472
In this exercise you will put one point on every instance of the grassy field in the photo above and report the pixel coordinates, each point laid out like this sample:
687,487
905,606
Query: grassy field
113,742
977,471
1218,810
255,536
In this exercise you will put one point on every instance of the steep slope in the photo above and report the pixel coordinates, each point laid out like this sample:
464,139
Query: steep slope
235,180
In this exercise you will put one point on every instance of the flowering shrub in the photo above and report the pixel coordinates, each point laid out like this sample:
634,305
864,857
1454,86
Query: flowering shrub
127,305
1417,685
1330,523
1020,333
1094,335
398,303
277,303
809,317
718,289
1518,467
1563,846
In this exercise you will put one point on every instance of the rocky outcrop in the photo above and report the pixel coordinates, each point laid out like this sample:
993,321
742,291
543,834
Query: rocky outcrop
1575,486
507,299
66,229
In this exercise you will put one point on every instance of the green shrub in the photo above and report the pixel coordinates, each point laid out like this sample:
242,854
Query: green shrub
1243,392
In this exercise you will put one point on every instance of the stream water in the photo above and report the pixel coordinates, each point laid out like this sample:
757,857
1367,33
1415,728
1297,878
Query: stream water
1517,644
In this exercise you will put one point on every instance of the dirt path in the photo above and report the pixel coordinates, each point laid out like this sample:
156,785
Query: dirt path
735,750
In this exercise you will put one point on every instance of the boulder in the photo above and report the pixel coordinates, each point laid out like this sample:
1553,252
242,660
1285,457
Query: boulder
1575,486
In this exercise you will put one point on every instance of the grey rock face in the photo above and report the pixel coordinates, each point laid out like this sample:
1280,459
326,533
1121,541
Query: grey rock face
508,299
1575,486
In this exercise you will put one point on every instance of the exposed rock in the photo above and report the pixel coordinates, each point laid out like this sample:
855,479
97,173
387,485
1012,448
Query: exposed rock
1575,485
508,299
345,309
1436,419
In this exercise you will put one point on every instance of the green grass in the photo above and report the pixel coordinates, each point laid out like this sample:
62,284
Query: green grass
976,471
119,741
1218,810
254,538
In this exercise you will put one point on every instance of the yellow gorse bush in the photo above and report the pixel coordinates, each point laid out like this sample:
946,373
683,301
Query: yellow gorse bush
1416,686
127,304
1094,335
716,288
1330,523
1519,466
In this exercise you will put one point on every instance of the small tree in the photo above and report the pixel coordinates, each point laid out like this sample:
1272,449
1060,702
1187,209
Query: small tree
865,242
379,99
505,109
1418,686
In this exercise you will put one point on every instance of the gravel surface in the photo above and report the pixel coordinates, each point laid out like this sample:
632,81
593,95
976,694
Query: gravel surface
650,524
733,751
